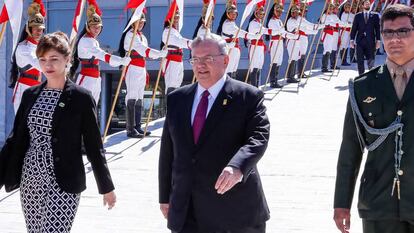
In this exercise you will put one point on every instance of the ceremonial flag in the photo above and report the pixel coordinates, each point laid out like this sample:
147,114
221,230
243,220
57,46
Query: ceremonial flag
179,5
15,7
209,12
76,19
139,6
309,2
249,8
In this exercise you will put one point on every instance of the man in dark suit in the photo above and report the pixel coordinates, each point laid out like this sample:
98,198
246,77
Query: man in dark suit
365,34
215,132
380,118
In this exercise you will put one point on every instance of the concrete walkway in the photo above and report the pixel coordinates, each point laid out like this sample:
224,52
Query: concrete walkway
298,169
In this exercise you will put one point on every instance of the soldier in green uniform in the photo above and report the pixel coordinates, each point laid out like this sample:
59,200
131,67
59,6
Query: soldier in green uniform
380,119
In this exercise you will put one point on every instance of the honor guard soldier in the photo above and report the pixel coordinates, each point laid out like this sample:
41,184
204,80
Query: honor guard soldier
276,42
229,31
346,17
306,28
136,75
330,36
25,70
380,118
295,24
88,53
257,59
173,68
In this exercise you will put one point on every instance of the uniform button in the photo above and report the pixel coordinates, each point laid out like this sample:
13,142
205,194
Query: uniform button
54,140
400,172
401,152
57,159
400,133
370,114
399,112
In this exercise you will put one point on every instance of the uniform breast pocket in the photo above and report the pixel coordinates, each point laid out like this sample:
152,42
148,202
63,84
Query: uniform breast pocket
372,114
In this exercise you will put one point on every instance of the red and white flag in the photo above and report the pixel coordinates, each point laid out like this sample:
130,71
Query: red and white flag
15,7
211,4
76,19
179,5
308,2
139,6
249,9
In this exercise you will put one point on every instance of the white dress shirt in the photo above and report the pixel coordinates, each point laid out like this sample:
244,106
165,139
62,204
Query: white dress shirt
213,90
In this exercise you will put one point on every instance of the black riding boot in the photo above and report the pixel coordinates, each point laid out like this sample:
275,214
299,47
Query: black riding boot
253,77
344,55
325,60
333,60
130,120
291,73
138,116
274,72
301,64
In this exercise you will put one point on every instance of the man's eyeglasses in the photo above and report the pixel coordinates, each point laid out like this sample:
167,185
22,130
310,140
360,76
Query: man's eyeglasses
399,33
207,59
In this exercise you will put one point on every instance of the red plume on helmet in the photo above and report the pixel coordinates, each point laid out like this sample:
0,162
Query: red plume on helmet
261,4
95,4
42,7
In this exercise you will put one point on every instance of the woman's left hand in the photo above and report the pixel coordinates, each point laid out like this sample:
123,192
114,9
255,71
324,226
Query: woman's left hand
109,199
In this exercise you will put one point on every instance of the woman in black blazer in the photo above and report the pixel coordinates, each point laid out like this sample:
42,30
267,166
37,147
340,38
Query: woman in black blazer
42,156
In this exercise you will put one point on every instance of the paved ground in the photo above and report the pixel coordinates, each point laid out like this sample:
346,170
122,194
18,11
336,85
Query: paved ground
298,169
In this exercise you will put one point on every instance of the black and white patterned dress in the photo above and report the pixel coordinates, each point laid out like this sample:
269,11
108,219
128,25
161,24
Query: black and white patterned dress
46,207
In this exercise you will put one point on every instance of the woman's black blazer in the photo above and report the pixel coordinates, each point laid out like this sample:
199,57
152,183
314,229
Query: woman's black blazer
74,119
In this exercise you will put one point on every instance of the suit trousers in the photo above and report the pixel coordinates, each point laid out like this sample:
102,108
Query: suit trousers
387,226
365,50
191,226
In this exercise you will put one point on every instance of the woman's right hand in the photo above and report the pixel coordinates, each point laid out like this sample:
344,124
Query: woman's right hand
109,199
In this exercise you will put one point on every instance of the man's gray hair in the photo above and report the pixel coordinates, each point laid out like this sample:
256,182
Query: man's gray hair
212,38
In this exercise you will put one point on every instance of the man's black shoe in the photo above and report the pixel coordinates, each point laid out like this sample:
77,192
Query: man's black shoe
292,80
275,85
325,70
134,134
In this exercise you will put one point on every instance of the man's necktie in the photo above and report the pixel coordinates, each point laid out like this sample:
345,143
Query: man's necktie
400,81
200,116
366,17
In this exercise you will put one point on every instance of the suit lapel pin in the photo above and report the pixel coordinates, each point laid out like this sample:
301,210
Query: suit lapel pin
61,104
224,102
369,99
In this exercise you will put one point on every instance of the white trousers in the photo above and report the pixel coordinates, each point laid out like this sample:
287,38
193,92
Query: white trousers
345,40
234,59
17,95
256,59
303,43
135,80
328,43
294,53
173,74
276,56
92,84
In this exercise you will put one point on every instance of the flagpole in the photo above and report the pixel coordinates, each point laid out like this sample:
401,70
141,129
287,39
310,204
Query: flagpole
124,68
257,42
277,47
154,92
294,42
310,50
3,30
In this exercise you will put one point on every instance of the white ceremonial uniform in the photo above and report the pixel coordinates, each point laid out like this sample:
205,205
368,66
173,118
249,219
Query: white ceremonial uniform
29,69
301,46
90,53
330,33
347,18
229,31
202,31
257,59
173,68
136,74
276,41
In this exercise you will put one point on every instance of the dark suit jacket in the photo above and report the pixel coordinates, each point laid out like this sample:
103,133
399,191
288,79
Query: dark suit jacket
375,201
366,32
235,134
74,118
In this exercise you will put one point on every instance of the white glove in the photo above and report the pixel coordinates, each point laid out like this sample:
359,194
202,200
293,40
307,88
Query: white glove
163,53
231,44
125,61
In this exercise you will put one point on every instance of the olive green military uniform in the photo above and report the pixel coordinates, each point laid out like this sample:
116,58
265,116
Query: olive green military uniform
379,108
